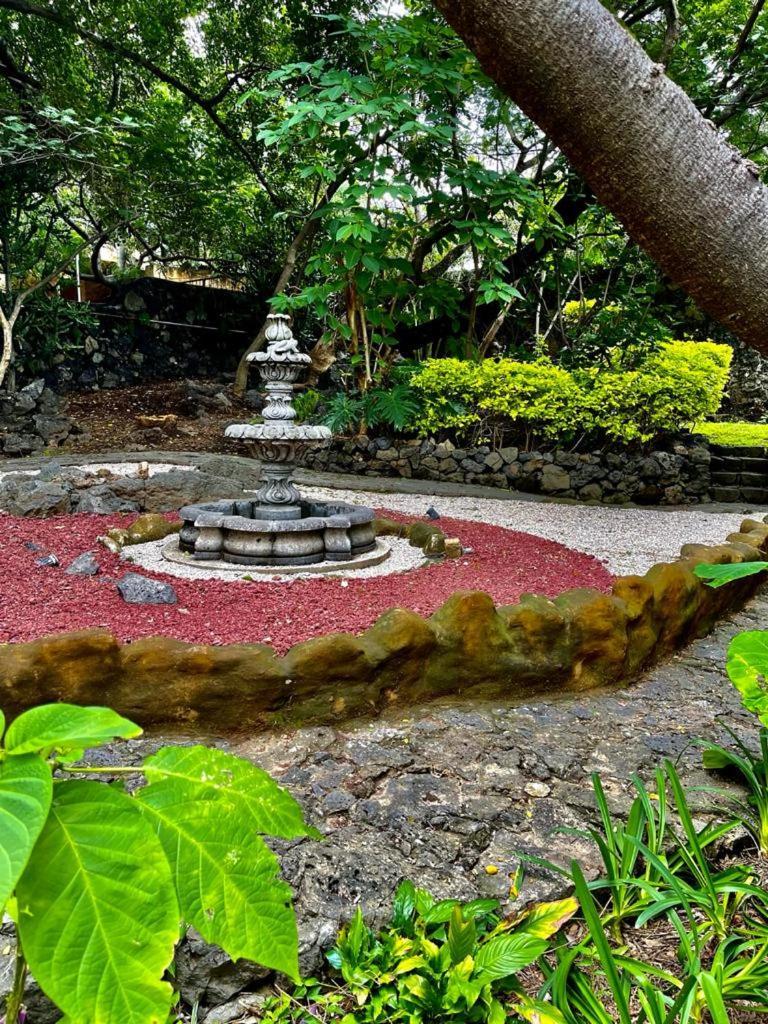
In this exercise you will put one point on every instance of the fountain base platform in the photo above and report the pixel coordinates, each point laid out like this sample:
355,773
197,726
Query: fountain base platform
380,553
237,532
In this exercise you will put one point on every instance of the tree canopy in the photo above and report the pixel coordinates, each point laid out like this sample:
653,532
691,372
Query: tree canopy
354,161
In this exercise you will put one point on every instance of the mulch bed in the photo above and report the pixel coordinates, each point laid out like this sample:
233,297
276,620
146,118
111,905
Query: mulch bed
36,601
110,419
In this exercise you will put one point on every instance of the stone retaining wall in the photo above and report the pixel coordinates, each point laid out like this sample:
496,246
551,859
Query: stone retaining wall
580,640
677,475
32,420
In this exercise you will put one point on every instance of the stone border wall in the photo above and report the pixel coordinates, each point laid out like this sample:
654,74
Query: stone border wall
677,475
581,640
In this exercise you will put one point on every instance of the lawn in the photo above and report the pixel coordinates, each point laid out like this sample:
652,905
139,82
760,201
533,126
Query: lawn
752,434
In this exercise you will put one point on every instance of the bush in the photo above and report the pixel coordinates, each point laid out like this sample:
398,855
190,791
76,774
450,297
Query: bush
51,328
673,388
436,961
98,877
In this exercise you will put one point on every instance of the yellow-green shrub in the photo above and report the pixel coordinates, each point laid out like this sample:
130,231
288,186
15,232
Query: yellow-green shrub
541,397
677,385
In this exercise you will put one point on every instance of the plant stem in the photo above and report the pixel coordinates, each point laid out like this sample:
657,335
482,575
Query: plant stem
16,995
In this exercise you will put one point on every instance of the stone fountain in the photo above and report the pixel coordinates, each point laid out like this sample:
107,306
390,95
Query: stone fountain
278,527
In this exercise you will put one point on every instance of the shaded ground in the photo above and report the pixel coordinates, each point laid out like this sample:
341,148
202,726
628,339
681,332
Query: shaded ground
112,419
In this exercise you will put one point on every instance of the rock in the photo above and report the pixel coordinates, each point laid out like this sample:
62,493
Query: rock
553,479
244,1008
35,498
432,513
421,534
435,545
21,444
53,429
169,491
494,461
591,492
47,561
101,500
149,526
136,589
83,565
537,790
509,455
206,975
244,472
39,1009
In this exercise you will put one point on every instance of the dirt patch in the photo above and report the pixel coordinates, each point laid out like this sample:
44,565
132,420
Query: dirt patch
122,419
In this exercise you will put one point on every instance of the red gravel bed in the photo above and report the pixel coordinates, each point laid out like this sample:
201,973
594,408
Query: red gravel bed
37,601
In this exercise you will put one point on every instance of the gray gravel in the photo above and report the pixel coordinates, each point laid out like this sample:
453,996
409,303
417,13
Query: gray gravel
626,540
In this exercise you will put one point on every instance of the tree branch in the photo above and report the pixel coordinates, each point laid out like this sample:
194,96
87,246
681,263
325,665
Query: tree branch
206,104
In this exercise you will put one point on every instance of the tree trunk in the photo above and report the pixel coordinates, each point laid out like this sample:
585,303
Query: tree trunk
304,237
7,350
681,190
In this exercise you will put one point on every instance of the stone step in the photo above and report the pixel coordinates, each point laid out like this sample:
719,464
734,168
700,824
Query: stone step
748,451
726,494
740,463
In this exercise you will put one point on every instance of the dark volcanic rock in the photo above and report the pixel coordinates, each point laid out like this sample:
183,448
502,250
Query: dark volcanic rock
137,589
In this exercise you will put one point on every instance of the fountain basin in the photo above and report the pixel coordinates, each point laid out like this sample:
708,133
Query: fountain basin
238,532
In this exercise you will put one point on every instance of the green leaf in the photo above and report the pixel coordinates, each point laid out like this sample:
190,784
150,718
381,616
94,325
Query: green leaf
25,798
225,875
719,575
462,936
508,954
252,793
66,727
98,918
747,667
714,998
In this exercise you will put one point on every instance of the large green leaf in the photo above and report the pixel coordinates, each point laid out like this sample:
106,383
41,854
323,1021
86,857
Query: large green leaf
719,575
98,917
25,797
747,666
225,875
508,954
66,727
251,793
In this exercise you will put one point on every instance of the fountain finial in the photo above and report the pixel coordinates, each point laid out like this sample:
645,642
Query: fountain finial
282,347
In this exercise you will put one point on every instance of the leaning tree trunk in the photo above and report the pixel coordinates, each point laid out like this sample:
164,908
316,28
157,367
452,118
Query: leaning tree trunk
682,191
6,349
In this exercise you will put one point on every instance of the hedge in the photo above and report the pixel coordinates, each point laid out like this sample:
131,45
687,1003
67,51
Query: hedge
678,385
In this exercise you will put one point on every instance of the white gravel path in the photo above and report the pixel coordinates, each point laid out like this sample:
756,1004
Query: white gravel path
115,468
626,540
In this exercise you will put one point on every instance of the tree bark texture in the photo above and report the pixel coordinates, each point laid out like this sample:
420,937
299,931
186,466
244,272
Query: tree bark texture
682,191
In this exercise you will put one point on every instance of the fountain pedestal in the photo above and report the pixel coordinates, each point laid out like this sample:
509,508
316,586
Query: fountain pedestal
278,527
